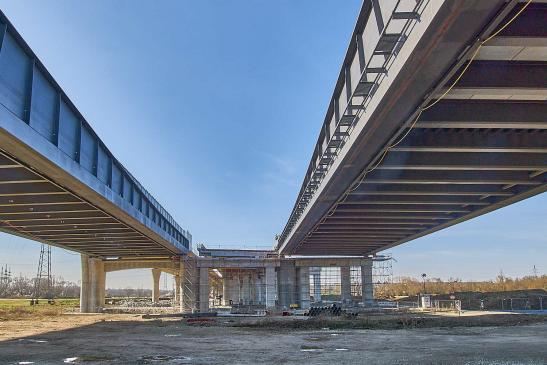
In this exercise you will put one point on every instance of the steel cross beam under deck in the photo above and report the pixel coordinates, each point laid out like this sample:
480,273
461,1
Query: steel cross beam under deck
59,184
481,147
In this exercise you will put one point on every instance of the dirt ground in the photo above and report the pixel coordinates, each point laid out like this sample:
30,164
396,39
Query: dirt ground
129,339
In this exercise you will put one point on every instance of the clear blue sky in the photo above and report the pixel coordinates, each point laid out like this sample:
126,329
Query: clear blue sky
215,107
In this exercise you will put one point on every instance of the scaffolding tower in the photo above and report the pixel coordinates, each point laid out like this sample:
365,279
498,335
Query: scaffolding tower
382,274
325,282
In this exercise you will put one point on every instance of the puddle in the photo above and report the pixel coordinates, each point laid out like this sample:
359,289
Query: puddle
32,340
165,358
305,348
341,349
335,334
173,335
88,358
317,338
25,362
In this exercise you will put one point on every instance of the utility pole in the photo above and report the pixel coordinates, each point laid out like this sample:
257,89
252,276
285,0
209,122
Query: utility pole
423,278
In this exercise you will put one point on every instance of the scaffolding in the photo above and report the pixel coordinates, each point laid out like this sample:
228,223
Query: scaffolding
237,287
243,289
382,274
328,288
190,284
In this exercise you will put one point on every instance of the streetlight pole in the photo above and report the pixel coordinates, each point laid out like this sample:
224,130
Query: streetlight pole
423,278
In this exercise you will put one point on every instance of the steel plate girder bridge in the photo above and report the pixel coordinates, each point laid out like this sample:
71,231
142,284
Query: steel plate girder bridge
438,115
59,183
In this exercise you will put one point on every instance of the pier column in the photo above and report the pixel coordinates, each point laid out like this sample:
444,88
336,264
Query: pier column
176,297
345,284
287,283
304,286
367,284
92,289
228,287
204,289
156,274
85,286
259,287
271,287
316,275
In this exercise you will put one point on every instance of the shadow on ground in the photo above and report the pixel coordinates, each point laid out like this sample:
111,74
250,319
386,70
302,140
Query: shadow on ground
175,342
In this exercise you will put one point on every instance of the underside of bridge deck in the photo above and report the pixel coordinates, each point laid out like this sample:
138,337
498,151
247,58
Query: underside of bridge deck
36,208
59,183
475,147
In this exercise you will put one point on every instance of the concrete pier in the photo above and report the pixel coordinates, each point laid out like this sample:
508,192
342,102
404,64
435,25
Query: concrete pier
304,287
315,272
156,275
271,287
228,288
177,289
367,284
203,290
92,291
287,283
345,284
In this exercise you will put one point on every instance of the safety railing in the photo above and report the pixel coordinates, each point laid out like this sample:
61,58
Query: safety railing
384,54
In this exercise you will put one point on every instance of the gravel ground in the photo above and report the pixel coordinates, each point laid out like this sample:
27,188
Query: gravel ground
128,339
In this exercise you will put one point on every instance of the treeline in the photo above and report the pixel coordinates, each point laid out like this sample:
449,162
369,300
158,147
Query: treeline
129,293
22,287
403,286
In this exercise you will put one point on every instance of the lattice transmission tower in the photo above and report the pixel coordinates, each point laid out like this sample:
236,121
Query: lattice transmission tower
5,274
44,279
